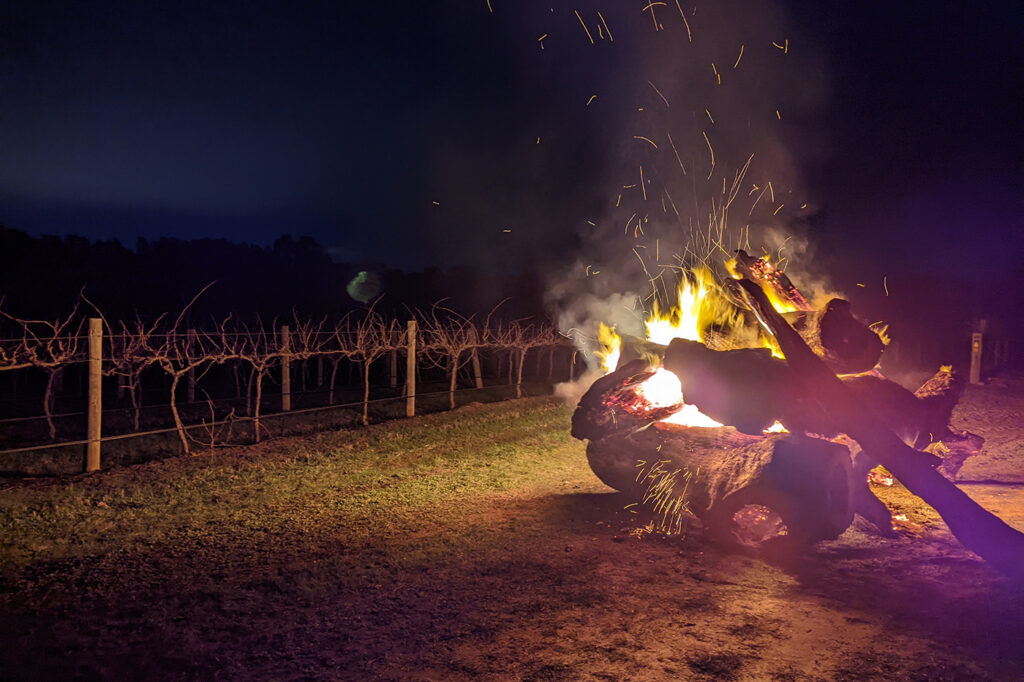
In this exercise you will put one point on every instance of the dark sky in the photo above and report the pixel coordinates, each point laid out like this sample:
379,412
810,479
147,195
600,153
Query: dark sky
897,140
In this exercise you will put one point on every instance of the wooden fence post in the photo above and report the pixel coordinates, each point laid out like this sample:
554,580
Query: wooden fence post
393,360
477,374
976,348
95,409
410,372
191,372
286,370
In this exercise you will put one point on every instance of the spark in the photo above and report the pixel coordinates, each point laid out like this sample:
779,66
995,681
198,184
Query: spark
681,166
885,285
650,6
541,40
738,58
804,206
436,203
861,285
778,115
709,116
754,205
538,140
606,29
659,93
643,185
589,37
618,201
784,47
592,223
592,98
772,191
626,231
778,209
712,150
717,75
689,35
489,8
672,202
645,139
507,230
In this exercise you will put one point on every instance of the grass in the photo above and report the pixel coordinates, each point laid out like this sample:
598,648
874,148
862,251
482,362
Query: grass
472,544
381,479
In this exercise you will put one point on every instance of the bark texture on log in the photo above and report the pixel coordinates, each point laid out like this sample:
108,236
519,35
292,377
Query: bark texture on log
718,472
978,529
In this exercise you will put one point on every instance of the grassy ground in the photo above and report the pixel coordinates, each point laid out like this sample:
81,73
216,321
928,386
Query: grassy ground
464,545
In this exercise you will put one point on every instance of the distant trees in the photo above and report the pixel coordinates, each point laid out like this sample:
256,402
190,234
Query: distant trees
158,275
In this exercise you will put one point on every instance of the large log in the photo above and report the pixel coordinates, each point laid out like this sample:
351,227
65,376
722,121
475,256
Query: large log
735,484
750,390
978,529
846,344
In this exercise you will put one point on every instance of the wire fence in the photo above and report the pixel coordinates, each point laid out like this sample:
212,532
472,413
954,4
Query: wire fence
196,371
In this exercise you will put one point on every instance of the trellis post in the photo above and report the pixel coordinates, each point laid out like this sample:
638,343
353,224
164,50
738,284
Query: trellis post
95,404
410,371
286,370
477,374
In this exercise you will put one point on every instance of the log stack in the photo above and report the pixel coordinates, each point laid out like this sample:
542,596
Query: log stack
746,491
732,478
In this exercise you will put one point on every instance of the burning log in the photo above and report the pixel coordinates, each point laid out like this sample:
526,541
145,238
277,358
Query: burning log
751,390
764,273
612,404
746,491
745,388
846,344
979,530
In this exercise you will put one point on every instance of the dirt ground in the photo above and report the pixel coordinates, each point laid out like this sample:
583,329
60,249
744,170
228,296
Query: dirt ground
554,581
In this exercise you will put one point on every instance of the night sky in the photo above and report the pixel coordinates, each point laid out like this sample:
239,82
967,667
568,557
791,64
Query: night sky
890,130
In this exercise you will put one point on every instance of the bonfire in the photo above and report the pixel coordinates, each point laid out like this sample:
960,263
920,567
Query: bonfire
764,419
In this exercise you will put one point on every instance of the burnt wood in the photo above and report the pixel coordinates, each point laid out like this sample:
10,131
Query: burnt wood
978,529
718,471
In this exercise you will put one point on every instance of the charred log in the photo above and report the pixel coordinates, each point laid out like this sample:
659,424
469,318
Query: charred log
745,490
978,529
766,274
846,344
612,404
746,388
635,348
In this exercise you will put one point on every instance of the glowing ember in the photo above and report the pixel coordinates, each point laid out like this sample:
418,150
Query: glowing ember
755,524
765,271
880,476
